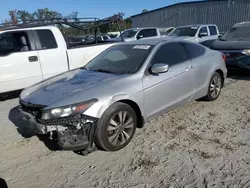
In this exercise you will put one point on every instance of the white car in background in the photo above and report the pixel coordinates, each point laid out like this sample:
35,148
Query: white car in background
196,33
133,34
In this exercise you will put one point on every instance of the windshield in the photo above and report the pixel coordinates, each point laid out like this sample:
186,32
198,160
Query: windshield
120,59
184,31
129,33
237,34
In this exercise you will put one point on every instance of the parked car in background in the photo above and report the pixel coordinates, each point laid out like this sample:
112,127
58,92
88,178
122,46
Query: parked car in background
99,38
196,33
114,34
235,44
120,89
138,33
32,54
75,40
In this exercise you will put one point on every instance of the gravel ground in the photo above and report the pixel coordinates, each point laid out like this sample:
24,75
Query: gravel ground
202,144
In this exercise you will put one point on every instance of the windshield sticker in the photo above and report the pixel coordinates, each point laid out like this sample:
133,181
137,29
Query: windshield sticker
142,47
194,27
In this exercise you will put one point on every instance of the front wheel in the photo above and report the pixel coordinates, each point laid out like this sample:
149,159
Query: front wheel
116,127
214,88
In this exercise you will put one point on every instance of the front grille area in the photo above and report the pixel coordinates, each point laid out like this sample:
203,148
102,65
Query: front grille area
33,109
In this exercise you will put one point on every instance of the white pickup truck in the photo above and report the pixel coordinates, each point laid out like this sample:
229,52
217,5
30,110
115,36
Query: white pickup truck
30,55
196,33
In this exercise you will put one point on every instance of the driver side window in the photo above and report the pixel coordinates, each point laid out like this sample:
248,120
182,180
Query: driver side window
147,33
12,42
170,54
203,30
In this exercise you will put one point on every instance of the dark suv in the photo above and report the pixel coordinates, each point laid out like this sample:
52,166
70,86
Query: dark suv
235,44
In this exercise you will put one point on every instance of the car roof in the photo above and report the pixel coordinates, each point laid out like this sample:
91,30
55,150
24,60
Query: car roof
196,25
246,23
152,41
137,28
13,28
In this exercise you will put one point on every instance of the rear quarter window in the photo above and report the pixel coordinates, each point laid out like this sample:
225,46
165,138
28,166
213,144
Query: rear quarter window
194,50
47,39
213,30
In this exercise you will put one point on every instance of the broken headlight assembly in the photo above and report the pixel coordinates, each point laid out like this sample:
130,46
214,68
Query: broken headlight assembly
67,111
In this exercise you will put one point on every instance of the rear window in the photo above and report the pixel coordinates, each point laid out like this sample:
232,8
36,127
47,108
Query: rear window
237,34
213,30
47,39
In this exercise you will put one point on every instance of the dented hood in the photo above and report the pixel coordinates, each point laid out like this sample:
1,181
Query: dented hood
65,85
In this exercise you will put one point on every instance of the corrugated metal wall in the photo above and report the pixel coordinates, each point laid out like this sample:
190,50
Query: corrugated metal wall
222,13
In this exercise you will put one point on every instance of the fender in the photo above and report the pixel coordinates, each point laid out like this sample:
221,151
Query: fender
99,108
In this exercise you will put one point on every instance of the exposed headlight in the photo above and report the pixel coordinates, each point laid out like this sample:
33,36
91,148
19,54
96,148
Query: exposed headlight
246,52
66,111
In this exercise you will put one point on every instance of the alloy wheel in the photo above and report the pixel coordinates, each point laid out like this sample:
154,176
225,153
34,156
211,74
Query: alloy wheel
215,86
120,128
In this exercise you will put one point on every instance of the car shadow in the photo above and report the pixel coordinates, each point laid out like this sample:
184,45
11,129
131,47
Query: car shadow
10,95
26,131
3,183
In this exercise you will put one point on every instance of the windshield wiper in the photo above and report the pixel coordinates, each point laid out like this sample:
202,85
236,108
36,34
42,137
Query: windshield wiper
102,70
84,68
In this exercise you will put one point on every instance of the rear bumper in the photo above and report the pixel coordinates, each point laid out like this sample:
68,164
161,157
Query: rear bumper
236,61
67,136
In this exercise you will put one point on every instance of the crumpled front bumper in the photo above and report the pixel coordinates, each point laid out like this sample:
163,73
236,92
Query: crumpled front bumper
71,139
31,121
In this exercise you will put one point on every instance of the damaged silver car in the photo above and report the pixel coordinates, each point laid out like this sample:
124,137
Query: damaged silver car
125,86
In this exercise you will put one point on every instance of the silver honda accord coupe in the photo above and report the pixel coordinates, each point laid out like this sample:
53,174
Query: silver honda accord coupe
102,103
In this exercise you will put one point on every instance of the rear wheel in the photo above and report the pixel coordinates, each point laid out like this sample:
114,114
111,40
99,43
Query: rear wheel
214,88
116,127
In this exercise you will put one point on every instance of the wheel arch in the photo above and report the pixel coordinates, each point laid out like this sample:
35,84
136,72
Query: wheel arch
222,76
136,108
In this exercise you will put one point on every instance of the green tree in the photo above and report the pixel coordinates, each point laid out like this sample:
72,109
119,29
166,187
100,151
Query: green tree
46,14
24,16
13,17
73,15
144,10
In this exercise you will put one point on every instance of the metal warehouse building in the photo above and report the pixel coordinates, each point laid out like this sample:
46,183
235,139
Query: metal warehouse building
223,13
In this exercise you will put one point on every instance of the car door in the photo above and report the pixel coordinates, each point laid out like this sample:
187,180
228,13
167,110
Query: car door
53,57
19,61
203,30
214,33
201,65
147,33
168,90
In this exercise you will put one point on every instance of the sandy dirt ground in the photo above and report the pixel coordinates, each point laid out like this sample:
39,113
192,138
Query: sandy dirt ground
201,145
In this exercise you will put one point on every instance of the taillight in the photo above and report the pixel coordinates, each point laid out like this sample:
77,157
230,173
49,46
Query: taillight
224,57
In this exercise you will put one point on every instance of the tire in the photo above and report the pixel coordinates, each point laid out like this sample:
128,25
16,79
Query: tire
121,120
214,88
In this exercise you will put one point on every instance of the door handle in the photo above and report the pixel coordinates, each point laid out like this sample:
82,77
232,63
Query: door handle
33,58
189,68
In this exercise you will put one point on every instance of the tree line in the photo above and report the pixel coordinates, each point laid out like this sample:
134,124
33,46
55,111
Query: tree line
23,16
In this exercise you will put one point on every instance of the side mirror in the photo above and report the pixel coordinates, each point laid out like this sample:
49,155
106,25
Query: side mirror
159,68
139,37
203,34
